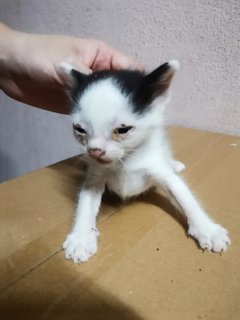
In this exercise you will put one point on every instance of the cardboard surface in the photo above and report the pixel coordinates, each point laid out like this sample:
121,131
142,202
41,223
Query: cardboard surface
146,266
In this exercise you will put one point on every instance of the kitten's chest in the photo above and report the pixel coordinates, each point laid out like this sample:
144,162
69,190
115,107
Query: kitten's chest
127,184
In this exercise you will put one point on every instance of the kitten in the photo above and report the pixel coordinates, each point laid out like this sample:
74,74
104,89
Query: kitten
118,119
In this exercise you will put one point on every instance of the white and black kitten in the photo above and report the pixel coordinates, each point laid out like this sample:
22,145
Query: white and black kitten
118,119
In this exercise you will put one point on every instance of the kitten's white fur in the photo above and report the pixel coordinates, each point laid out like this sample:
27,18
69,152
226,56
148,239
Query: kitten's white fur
140,161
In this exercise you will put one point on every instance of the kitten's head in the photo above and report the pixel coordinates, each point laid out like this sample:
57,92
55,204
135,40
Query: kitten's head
115,111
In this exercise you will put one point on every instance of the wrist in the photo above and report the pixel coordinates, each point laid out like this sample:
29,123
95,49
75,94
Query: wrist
11,42
7,47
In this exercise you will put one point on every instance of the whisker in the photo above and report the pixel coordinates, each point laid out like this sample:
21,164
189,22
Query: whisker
131,156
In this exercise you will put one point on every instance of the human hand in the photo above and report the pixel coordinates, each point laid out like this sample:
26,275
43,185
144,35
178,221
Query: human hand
29,65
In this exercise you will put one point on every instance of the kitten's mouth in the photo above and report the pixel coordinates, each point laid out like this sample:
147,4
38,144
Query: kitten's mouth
104,161
101,160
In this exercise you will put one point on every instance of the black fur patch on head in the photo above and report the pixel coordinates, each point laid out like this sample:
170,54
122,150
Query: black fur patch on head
142,89
126,80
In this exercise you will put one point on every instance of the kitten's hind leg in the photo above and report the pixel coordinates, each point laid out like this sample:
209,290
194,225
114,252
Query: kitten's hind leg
178,166
210,235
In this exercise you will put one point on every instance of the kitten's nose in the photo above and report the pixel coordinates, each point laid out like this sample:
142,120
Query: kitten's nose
96,152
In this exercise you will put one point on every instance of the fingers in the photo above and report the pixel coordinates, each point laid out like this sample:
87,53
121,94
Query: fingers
109,58
120,61
81,67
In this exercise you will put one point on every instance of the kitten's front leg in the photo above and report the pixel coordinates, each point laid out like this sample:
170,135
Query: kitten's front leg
211,236
81,243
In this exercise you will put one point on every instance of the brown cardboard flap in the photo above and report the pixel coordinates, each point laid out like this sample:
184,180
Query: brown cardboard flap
146,266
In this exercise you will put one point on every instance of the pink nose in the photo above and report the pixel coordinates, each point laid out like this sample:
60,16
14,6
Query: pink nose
96,153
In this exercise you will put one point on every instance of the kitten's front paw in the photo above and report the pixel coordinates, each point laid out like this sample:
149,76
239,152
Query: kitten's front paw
212,237
80,248
178,166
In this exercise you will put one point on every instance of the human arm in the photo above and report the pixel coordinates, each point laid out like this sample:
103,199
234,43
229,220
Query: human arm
29,65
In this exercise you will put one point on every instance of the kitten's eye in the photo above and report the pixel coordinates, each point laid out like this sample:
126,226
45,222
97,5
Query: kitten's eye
79,129
122,130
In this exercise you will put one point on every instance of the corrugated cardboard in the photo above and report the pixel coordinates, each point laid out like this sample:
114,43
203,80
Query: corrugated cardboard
146,266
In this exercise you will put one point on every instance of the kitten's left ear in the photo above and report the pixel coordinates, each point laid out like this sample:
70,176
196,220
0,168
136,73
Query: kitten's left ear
74,79
72,75
156,83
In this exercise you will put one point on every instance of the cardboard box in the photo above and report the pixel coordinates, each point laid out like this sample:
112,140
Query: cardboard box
146,266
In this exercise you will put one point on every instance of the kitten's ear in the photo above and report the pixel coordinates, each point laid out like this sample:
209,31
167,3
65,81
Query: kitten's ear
71,75
156,83
78,76
74,80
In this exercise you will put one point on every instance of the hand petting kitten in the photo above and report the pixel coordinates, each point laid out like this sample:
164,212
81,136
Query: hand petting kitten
118,120
29,65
